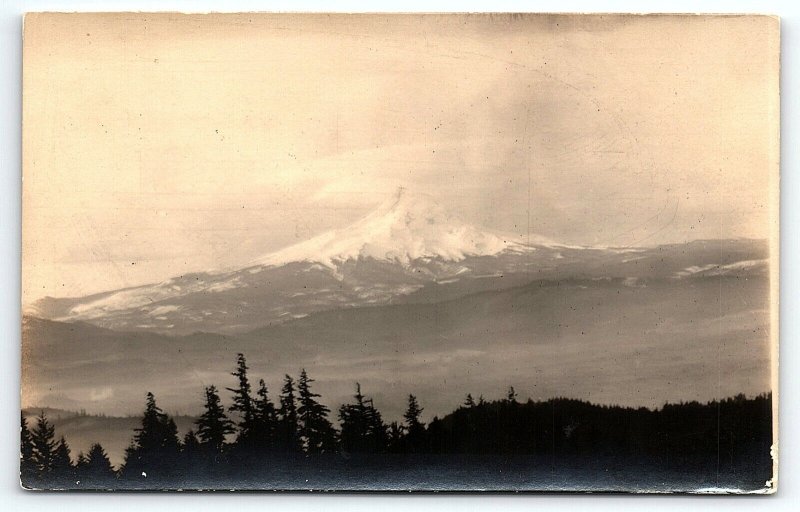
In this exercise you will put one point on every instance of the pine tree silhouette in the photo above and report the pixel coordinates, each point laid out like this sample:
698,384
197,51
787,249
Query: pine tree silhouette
354,436
243,405
732,435
155,448
469,402
62,461
80,466
511,396
414,439
316,432
362,428
288,427
97,466
27,465
377,429
44,445
193,459
265,418
412,414
397,433
190,445
213,425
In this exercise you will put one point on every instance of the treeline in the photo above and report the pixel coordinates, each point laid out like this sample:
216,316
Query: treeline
255,436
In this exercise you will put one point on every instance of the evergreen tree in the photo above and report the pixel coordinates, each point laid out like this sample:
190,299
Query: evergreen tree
62,461
155,447
412,414
376,428
44,445
80,466
192,456
213,425
416,429
469,402
158,432
362,428
512,395
316,432
173,443
353,424
191,445
265,419
243,404
27,465
288,435
396,434
97,466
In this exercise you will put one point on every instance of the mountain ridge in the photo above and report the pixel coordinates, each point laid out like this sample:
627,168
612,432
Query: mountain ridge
243,300
408,249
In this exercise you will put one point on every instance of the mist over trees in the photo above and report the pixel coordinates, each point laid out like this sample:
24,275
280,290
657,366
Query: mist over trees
254,437
43,460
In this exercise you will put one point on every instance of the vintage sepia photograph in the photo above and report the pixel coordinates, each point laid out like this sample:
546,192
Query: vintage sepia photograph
400,252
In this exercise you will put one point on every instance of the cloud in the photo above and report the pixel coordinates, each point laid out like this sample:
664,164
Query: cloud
231,146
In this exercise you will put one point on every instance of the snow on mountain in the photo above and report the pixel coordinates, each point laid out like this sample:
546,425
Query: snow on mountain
408,241
719,269
407,250
406,228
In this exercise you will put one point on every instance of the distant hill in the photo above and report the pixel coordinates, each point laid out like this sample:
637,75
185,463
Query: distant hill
627,341
82,430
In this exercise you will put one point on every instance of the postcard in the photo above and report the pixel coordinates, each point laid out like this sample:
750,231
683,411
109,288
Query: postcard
400,252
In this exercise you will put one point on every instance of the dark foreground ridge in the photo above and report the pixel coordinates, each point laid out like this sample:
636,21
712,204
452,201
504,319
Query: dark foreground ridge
554,445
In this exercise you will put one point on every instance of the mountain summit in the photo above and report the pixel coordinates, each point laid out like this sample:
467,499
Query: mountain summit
408,250
402,246
408,227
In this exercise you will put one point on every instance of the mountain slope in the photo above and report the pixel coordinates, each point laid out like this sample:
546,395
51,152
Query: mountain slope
402,245
404,229
605,340
408,250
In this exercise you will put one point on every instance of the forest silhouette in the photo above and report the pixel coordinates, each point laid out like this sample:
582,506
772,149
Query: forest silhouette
260,443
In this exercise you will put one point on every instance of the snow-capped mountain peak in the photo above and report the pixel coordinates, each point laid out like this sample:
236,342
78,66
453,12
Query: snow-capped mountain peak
405,228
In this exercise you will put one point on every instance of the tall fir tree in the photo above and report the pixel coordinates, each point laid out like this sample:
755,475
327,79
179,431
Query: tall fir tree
362,428
213,425
97,465
155,447
44,445
265,418
415,427
62,460
377,429
27,465
316,432
412,414
353,435
190,443
80,465
288,428
191,452
243,404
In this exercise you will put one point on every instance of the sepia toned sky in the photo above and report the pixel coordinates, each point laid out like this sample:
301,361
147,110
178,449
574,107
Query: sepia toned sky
154,145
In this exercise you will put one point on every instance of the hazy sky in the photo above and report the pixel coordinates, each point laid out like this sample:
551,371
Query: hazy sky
157,145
